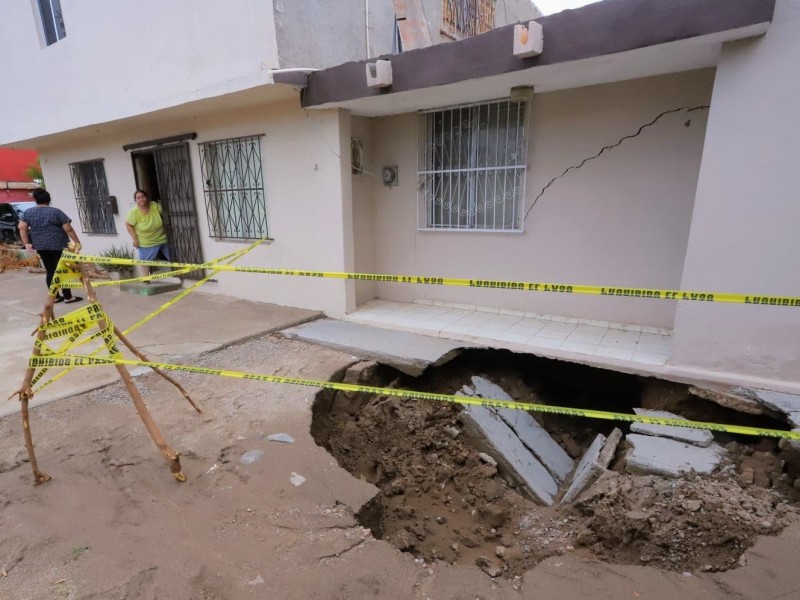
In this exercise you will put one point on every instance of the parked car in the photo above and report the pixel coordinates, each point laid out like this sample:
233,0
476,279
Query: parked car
10,214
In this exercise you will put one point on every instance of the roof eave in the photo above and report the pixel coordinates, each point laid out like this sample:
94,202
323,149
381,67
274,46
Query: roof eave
611,27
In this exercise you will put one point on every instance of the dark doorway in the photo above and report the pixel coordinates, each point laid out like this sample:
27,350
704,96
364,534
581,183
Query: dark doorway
165,173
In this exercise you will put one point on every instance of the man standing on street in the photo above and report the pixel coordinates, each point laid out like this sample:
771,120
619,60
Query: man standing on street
48,231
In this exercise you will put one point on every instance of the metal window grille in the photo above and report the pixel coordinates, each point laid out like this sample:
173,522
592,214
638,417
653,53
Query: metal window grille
472,162
234,188
466,18
52,21
91,194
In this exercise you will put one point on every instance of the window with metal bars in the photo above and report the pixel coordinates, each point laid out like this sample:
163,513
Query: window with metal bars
466,18
91,194
234,188
472,162
52,21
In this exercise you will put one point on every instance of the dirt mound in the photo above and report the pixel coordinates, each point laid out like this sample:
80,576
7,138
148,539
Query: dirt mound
13,259
442,500
702,523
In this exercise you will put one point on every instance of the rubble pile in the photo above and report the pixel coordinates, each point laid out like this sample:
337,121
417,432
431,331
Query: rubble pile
504,489
14,259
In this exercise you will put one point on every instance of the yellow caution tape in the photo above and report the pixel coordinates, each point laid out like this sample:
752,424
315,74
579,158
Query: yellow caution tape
233,256
74,342
526,286
75,324
113,282
66,360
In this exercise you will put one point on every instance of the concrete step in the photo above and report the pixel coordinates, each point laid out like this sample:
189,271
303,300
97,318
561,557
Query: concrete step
150,289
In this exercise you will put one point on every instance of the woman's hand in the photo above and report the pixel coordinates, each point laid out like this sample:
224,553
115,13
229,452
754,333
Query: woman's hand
135,242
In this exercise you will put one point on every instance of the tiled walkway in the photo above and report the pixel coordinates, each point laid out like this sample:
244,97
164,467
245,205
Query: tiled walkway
548,335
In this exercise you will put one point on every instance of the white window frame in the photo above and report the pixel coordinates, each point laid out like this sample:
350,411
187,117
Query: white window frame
50,13
472,167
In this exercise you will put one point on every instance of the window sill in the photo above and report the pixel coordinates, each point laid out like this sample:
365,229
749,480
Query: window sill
446,230
240,240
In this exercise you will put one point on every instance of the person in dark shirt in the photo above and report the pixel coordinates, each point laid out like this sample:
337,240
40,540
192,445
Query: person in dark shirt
48,231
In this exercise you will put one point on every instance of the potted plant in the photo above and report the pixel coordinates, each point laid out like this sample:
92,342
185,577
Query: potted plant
118,271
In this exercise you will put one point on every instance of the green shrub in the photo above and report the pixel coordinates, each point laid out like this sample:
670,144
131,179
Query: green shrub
117,252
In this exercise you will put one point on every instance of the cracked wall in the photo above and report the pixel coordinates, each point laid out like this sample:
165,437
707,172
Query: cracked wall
621,219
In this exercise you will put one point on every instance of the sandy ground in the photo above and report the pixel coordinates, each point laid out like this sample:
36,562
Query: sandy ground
188,328
113,523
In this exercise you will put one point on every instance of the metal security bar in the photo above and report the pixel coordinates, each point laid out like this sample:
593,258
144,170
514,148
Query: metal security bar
472,167
52,21
234,188
466,18
91,193
179,208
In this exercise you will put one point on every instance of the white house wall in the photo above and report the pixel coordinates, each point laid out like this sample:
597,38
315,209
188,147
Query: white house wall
744,235
364,210
128,57
620,220
305,182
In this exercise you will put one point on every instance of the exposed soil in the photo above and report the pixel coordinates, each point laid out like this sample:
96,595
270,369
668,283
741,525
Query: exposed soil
440,501
114,524
11,259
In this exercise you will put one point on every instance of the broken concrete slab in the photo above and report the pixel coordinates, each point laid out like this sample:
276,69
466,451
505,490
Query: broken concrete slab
587,470
407,352
698,437
786,404
670,458
491,433
610,448
726,397
486,389
593,464
533,435
361,372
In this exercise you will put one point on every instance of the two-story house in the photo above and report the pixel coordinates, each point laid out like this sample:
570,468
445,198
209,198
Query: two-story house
626,144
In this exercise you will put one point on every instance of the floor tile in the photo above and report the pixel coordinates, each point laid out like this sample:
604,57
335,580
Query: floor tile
587,334
529,326
543,342
614,352
650,358
659,344
510,329
558,331
508,336
578,347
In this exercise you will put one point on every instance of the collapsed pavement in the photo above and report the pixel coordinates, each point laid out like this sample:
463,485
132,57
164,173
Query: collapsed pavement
504,489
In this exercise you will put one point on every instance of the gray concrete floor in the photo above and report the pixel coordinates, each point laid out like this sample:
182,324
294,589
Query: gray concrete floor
198,323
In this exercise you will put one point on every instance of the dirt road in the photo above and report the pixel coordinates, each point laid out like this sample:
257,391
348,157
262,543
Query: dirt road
113,524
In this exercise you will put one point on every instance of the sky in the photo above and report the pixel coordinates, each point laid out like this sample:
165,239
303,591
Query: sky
549,7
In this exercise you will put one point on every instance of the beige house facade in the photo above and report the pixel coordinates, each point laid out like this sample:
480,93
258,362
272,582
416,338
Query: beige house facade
648,145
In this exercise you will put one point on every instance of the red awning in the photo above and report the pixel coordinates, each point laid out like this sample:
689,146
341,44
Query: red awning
13,164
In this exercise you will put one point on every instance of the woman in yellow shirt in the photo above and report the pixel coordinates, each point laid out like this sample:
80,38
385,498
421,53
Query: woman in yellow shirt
146,228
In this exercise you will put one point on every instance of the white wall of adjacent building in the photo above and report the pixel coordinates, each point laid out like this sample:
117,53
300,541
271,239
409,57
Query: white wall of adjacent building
128,57
304,184
744,233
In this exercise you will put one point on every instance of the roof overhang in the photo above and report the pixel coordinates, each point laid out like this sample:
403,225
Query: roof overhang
179,117
608,41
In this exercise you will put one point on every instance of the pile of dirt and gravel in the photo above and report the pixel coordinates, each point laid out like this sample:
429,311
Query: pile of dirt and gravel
12,258
441,498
